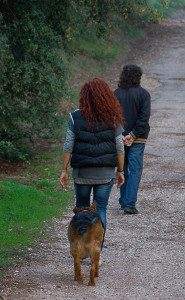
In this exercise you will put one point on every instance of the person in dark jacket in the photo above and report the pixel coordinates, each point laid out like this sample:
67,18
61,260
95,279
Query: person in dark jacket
135,102
94,146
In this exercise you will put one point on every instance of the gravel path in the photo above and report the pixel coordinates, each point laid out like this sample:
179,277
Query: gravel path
144,255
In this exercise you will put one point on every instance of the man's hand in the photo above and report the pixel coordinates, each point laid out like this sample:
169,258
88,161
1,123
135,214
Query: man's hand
128,140
64,179
120,179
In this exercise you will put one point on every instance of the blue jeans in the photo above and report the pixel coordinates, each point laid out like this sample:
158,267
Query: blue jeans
101,193
133,167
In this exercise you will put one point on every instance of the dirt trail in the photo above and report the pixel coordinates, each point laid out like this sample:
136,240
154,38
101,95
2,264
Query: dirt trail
144,254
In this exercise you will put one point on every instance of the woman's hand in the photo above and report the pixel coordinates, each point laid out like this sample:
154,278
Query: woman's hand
120,179
64,179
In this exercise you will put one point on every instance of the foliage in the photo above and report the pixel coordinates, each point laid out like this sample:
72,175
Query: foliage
32,72
9,151
37,38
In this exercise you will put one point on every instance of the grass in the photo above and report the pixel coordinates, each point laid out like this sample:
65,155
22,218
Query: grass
132,32
10,256
46,166
94,54
161,7
28,204
100,49
23,212
171,6
177,2
174,6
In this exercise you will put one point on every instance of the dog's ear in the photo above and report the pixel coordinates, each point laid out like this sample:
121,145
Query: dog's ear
94,205
75,209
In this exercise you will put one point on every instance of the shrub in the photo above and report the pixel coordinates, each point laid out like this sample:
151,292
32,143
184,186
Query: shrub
36,40
32,73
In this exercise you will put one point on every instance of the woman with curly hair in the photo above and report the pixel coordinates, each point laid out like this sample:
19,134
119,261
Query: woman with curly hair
135,102
94,146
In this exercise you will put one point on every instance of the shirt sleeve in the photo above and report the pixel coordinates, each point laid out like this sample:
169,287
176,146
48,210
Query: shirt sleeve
119,130
119,144
70,138
143,117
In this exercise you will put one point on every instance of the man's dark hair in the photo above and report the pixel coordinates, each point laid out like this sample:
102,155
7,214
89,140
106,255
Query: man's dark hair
130,77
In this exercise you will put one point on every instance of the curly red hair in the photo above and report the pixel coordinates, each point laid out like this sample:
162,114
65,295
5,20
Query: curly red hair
97,103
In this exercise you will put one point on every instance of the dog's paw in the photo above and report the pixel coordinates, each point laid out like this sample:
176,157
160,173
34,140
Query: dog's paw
79,280
91,283
96,274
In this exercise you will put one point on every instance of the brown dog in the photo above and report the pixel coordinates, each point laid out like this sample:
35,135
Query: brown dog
85,234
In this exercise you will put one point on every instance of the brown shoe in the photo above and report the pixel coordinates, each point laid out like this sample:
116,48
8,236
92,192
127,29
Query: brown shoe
130,211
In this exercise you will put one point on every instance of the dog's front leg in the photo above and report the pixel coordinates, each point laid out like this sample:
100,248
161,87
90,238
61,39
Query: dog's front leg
77,269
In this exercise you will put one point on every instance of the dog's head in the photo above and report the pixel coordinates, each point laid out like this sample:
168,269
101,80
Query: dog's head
90,208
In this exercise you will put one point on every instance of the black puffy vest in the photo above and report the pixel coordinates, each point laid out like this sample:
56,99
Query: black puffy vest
92,147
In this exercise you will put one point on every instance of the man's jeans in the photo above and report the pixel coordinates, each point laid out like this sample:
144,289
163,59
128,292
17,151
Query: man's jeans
101,193
133,168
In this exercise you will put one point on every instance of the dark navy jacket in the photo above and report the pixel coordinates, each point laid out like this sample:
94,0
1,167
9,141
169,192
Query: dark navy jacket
135,103
92,147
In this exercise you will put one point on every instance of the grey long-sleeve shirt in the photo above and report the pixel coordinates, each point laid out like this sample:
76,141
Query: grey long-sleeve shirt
94,175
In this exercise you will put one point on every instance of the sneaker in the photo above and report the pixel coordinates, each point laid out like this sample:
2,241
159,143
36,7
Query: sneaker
130,211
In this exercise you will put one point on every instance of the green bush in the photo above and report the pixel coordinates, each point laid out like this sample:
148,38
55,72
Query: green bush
37,38
32,72
9,151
